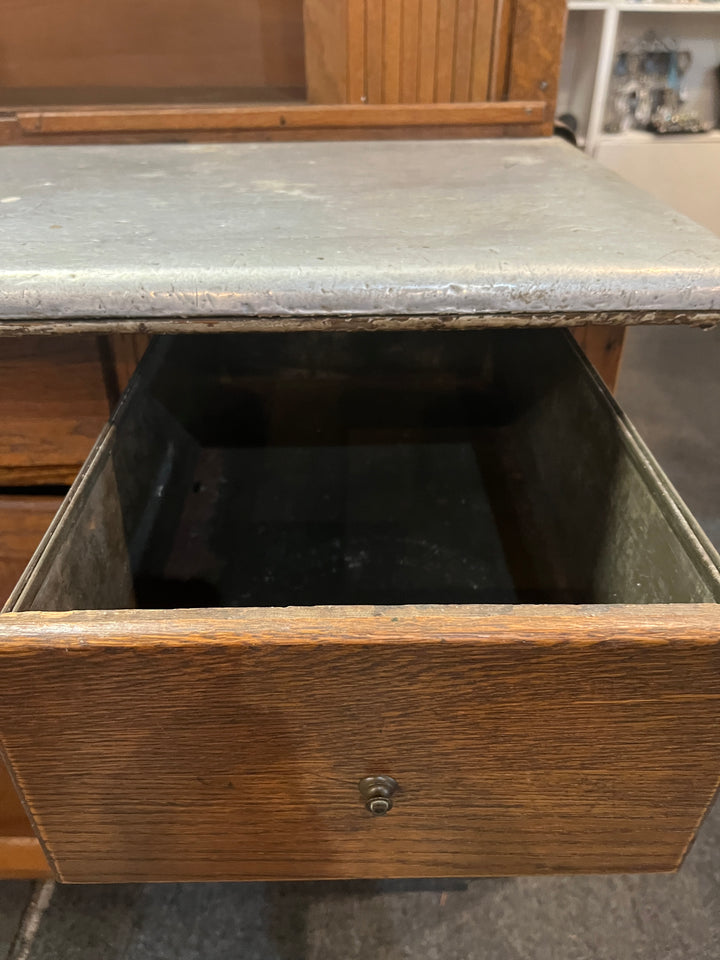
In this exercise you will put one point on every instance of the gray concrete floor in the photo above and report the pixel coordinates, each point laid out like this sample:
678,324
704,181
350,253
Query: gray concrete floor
671,389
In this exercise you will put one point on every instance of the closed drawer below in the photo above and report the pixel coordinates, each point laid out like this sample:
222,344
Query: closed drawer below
294,562
21,855
55,396
24,518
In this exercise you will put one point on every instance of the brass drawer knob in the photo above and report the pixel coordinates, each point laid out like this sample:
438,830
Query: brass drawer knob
377,792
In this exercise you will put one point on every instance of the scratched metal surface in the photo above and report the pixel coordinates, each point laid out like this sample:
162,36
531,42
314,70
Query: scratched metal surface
363,229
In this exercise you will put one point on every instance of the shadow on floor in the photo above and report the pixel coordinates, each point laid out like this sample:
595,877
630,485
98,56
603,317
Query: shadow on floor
560,918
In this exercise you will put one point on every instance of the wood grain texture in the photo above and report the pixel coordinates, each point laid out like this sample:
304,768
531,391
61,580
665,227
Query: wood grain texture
22,858
393,37
445,46
126,353
538,30
35,123
11,133
429,15
23,521
477,24
13,819
426,51
335,54
143,45
21,855
463,50
410,51
53,403
374,50
229,744
355,42
603,346
326,24
55,397
502,21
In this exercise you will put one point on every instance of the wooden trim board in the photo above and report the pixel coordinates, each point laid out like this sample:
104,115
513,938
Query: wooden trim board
283,117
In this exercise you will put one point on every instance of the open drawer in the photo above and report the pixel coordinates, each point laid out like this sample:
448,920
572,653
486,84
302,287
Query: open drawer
296,561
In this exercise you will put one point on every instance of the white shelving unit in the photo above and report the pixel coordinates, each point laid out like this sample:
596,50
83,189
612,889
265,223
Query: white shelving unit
682,169
630,7
597,29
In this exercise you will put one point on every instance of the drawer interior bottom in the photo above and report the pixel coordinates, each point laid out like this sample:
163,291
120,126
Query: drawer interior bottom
400,522
385,468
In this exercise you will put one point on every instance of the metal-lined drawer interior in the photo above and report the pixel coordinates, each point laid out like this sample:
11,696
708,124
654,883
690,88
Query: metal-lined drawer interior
256,470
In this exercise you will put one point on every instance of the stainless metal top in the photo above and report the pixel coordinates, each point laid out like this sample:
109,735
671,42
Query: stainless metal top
378,228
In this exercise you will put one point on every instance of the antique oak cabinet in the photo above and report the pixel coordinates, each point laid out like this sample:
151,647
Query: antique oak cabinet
363,573
367,574
132,71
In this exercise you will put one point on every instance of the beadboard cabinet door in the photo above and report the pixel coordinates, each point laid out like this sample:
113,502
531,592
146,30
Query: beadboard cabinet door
280,69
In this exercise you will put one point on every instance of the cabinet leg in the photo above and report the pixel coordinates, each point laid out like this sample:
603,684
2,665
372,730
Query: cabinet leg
603,346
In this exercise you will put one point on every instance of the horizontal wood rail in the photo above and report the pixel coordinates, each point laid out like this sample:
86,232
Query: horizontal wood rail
291,116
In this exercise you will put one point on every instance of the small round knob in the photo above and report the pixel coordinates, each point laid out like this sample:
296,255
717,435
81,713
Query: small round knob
377,793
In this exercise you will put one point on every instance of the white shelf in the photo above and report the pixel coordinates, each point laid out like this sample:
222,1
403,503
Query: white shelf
646,6
646,136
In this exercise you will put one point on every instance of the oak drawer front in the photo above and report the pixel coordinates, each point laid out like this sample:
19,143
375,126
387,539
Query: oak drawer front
442,558
24,518
55,396
21,856
53,404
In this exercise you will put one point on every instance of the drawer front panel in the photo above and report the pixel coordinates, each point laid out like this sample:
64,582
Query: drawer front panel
231,747
21,855
53,403
23,521
55,395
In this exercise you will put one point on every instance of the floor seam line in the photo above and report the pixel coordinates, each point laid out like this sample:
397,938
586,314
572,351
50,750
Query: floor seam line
31,920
